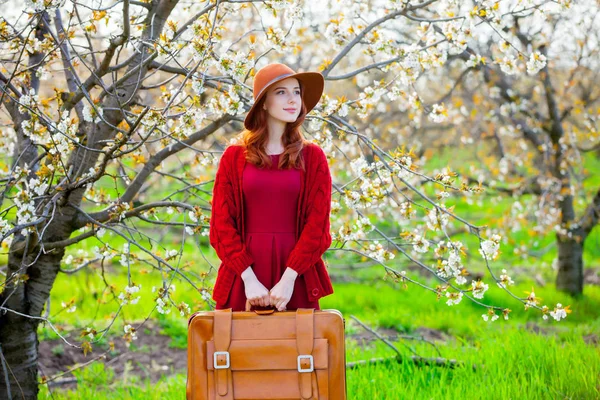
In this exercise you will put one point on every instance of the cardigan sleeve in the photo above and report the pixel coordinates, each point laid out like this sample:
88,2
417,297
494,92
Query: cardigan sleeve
315,238
224,235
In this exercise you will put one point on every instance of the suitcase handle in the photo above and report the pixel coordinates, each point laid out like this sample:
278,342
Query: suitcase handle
264,311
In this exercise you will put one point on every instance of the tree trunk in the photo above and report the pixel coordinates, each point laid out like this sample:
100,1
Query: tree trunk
570,266
569,278
18,334
19,346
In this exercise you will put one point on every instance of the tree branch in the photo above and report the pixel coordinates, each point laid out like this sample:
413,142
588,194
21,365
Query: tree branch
150,166
369,28
591,216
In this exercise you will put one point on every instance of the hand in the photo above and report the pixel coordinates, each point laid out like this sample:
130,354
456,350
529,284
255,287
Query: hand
256,293
282,292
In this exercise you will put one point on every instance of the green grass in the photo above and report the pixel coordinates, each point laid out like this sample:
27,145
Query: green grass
511,361
100,383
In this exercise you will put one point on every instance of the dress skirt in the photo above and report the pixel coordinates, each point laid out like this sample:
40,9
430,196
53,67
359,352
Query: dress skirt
270,205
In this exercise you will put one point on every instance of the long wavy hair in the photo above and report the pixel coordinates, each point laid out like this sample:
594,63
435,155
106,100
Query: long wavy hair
255,140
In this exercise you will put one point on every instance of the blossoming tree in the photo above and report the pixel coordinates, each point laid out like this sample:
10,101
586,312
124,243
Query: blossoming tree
110,91
539,118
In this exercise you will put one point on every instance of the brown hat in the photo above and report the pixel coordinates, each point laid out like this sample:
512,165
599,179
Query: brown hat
312,82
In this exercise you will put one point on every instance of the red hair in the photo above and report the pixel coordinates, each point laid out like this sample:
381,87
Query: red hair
255,140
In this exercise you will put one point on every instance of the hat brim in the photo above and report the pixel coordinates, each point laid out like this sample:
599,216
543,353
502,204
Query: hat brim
313,83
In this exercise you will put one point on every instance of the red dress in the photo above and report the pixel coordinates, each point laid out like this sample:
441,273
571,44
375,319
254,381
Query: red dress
270,204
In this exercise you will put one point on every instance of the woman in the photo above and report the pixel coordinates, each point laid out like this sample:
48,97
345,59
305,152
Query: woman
271,201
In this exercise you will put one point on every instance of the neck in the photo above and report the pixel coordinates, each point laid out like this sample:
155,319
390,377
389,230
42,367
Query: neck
276,129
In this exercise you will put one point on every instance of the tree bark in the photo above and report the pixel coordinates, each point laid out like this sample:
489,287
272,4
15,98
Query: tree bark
18,334
569,277
570,266
570,250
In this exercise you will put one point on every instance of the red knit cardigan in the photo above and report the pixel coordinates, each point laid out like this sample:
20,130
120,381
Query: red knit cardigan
313,235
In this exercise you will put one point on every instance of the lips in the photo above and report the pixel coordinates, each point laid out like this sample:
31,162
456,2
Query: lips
290,109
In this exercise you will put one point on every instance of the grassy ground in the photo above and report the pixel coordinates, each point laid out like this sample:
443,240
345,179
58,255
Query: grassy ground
522,358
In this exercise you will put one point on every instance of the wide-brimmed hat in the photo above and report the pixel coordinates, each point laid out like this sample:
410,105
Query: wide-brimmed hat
312,82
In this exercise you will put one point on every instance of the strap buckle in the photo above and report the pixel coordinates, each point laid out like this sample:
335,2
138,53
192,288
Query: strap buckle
215,354
312,363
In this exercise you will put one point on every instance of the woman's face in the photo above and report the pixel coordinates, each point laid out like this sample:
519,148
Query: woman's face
283,101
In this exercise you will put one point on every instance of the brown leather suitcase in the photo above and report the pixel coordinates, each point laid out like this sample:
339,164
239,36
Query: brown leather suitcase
266,354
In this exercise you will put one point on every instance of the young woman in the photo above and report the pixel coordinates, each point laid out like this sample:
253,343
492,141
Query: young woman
271,201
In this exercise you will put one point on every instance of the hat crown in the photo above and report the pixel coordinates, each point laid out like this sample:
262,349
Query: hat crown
268,74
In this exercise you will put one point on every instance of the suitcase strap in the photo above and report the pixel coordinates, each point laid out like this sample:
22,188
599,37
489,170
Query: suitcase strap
304,343
222,338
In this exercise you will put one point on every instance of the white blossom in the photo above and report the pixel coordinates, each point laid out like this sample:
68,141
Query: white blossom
453,298
460,280
559,312
479,288
439,113
486,317
505,280
475,60
172,253
508,65
4,226
205,294
92,114
39,5
28,101
162,307
489,248
436,219
129,330
70,309
192,215
126,297
184,309
420,244
536,62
